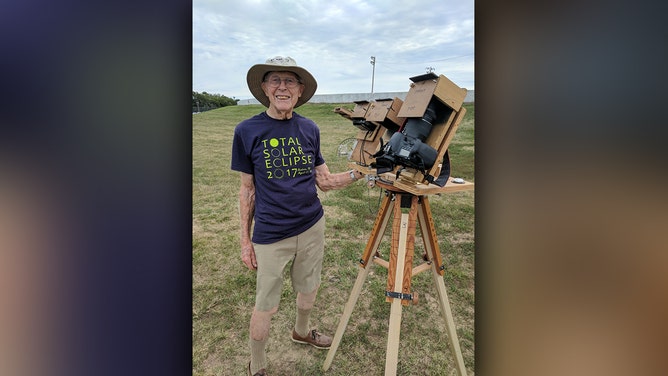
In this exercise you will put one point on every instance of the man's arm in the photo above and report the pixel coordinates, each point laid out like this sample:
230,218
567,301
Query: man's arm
246,211
327,181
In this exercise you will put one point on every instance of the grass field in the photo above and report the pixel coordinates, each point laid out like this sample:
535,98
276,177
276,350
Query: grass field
223,288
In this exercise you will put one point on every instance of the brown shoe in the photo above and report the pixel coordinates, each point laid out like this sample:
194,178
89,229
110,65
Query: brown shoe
261,372
313,338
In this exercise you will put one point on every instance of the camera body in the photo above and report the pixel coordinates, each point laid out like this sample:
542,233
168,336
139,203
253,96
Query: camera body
409,152
407,147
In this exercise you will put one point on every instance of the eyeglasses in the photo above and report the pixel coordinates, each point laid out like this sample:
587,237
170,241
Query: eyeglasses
290,82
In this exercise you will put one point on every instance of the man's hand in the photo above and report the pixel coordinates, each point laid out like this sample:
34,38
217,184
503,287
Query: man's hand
248,257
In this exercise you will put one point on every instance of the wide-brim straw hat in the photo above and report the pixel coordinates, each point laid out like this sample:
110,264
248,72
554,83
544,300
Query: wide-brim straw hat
280,64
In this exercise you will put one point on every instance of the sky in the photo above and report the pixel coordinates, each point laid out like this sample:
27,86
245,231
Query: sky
334,41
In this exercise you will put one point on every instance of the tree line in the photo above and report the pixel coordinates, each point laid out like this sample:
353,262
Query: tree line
204,101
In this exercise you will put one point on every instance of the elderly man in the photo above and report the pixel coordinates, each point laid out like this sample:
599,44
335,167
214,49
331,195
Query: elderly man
278,155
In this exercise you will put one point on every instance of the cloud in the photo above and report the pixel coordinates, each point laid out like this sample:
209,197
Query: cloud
334,41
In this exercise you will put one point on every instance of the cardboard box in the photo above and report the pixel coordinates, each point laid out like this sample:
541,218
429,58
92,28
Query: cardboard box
359,112
393,120
378,110
384,112
450,113
420,94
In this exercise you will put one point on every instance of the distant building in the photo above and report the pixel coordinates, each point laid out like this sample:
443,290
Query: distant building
350,98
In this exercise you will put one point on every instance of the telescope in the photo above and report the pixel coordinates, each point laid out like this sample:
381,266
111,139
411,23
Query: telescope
409,138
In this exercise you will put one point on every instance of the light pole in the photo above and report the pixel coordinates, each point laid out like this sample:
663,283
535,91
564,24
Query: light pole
373,72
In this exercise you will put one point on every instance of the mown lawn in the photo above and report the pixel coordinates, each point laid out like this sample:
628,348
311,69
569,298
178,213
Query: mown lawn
223,288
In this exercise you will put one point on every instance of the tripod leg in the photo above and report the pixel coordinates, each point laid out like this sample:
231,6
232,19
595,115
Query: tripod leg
393,330
383,217
371,248
404,224
449,322
347,312
431,247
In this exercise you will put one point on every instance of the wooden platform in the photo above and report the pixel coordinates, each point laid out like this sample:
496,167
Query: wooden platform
388,181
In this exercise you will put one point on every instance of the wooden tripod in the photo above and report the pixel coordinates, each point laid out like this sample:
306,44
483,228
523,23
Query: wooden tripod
400,270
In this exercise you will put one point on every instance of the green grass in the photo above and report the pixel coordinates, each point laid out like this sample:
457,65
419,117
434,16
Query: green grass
223,288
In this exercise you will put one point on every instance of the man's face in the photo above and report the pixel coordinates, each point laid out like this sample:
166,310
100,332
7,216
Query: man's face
283,90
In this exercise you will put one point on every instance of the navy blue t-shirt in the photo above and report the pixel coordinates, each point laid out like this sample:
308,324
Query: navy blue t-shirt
281,155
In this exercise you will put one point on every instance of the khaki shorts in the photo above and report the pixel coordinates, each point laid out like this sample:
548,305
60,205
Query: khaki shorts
306,252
